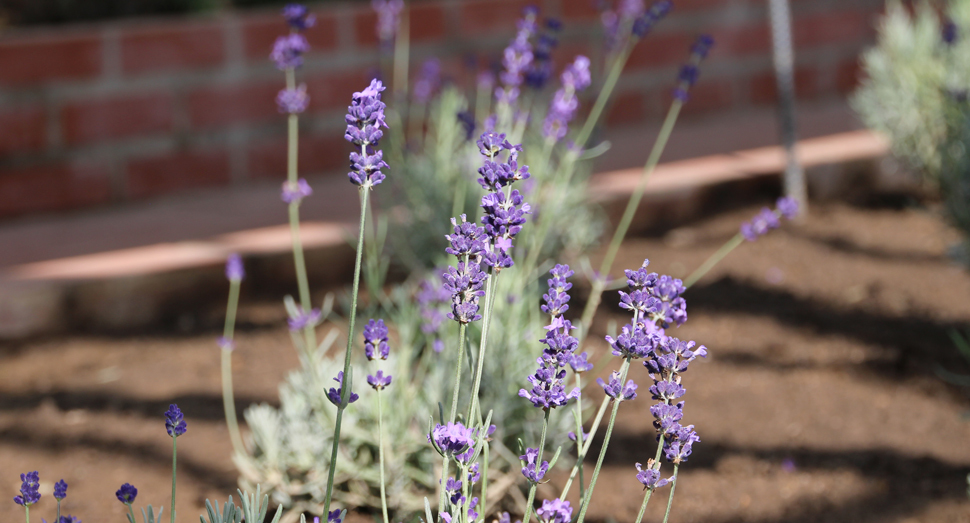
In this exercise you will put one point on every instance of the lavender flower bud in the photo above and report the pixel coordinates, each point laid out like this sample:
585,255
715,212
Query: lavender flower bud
388,19
225,343
429,79
375,340
29,489
689,73
555,511
951,33
234,268
288,51
379,381
787,207
293,101
579,363
763,222
174,422
465,285
295,193
335,516
640,278
127,494
530,470
467,240
60,490
365,117
617,390
650,477
645,22
298,17
453,438
575,78
334,394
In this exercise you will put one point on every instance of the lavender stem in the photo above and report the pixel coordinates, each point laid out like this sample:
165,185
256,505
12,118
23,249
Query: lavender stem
490,287
345,390
532,490
380,452
446,462
228,398
670,498
589,438
649,492
715,258
174,450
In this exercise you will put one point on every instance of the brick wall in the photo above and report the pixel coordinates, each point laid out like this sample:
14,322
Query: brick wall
98,114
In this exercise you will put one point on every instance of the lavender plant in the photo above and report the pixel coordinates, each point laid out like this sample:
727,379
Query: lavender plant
509,204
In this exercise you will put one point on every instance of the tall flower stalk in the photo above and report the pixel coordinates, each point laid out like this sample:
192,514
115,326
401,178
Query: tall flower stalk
235,274
365,120
376,348
175,426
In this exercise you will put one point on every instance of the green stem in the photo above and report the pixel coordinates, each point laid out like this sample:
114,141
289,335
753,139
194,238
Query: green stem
670,497
484,501
131,513
27,512
606,443
532,489
380,452
715,258
454,410
345,388
490,290
589,439
228,398
631,207
580,442
603,97
174,452
58,520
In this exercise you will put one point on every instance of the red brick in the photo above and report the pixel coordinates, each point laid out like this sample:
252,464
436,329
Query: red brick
579,10
36,60
483,16
334,89
170,47
85,121
219,106
177,171
659,50
739,41
52,187
427,23
627,108
832,27
709,95
764,90
22,129
848,75
317,154
259,33
683,6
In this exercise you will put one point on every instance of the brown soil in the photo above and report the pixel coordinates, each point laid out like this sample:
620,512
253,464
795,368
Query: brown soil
819,402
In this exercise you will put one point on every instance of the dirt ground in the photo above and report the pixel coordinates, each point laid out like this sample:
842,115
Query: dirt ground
819,402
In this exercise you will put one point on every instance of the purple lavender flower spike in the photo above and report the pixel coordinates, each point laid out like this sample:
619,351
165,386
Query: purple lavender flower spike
517,58
530,470
787,207
379,380
335,392
29,489
452,438
467,121
557,299
951,33
304,320
127,494
293,101
617,390
68,519
680,447
467,240
763,222
388,19
540,69
288,51
645,22
295,193
465,284
60,490
650,477
429,79
298,17
562,109
174,421
234,267
548,386
555,511
365,118
335,516
375,340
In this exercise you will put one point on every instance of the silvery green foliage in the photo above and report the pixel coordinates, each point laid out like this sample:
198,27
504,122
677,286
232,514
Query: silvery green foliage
230,513
148,517
254,508
916,91
435,179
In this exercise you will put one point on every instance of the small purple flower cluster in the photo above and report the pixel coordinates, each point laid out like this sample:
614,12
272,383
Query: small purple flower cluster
548,382
334,393
295,193
60,490
517,58
234,268
768,219
531,468
464,283
388,19
293,101
174,421
288,50
29,489
453,439
632,15
555,511
669,361
376,347
365,117
645,22
304,319
127,494
298,17
562,109
689,72
453,492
